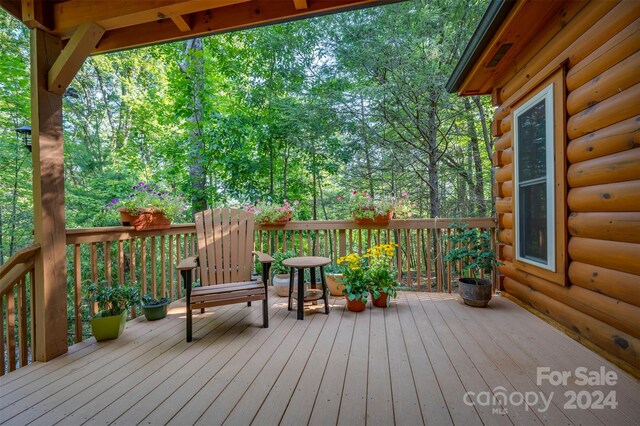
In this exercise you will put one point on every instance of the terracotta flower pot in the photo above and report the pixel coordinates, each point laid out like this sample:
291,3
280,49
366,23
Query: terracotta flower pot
381,301
380,219
148,219
281,221
355,305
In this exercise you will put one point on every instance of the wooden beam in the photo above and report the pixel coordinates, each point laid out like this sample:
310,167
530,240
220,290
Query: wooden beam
50,289
230,18
37,14
182,22
300,4
14,7
83,41
123,13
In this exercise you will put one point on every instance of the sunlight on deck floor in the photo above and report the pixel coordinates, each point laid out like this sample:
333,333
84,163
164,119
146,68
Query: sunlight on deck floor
409,364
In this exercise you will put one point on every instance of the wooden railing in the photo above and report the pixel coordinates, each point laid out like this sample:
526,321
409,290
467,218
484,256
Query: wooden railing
121,255
16,284
149,259
419,255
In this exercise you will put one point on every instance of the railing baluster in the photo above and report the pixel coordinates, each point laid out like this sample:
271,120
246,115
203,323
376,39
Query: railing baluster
178,260
408,242
429,246
32,306
154,272
143,265
418,258
171,267
94,277
120,262
163,265
22,323
107,261
132,261
11,337
77,299
439,260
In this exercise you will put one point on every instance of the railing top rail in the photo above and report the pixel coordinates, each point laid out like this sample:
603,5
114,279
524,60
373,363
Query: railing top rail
21,256
422,223
118,233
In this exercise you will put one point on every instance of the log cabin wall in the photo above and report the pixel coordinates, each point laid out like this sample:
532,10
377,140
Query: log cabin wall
595,45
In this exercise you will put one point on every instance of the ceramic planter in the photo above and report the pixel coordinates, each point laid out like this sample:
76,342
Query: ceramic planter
105,326
334,283
281,283
382,301
147,220
155,312
281,221
475,291
355,305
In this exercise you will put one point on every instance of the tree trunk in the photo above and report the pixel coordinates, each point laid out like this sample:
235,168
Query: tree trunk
478,188
194,69
488,143
434,181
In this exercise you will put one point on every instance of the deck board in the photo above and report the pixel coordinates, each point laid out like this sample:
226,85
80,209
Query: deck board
409,364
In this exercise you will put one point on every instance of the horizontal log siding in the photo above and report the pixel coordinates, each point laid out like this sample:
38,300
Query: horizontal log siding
600,49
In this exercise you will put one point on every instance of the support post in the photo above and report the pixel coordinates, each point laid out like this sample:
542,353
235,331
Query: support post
48,201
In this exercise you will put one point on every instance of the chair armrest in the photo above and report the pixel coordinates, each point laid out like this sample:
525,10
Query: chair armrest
188,263
263,258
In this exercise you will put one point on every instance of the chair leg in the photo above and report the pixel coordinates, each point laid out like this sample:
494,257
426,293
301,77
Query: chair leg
249,304
189,324
300,293
202,310
325,291
265,313
186,279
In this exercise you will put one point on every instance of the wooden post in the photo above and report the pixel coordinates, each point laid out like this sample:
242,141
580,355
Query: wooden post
48,201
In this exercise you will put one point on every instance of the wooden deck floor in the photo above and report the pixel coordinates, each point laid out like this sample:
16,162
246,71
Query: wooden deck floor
409,364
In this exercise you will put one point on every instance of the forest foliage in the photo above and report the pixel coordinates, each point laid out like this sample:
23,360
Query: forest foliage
306,110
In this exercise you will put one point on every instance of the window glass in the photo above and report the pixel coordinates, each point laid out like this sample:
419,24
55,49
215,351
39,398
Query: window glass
533,217
532,143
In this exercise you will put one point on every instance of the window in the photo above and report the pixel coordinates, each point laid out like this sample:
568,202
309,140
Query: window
534,181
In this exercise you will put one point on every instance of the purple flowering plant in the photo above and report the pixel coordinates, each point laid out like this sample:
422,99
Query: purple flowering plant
145,197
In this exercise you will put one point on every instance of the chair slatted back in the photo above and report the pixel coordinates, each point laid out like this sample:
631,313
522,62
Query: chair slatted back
225,245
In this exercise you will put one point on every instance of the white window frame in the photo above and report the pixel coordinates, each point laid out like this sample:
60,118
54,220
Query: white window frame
547,95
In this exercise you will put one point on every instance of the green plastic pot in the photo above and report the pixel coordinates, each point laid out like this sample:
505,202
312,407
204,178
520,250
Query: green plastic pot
105,326
155,312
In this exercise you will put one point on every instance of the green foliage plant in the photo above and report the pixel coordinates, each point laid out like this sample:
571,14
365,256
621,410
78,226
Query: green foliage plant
364,206
277,267
266,212
356,283
113,298
379,273
472,247
148,197
149,300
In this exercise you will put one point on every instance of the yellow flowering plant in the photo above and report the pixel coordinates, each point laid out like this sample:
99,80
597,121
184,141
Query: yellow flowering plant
372,272
380,274
356,286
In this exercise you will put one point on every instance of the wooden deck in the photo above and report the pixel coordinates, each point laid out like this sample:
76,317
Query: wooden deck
409,364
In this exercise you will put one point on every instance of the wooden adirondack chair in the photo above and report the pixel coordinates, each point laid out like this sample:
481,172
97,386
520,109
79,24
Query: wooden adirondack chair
225,249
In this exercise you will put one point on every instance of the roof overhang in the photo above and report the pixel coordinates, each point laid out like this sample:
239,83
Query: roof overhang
134,23
504,32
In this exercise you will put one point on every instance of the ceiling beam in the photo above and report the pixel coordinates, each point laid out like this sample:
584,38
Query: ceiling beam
230,18
300,4
67,65
13,7
182,22
115,14
37,14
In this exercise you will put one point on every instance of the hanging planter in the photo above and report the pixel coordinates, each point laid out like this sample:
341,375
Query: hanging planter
145,220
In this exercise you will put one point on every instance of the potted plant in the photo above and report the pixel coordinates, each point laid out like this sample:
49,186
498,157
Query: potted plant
154,309
113,301
474,248
333,275
380,275
148,207
368,210
267,213
356,286
281,274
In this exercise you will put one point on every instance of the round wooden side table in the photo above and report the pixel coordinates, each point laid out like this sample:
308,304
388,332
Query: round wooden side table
311,263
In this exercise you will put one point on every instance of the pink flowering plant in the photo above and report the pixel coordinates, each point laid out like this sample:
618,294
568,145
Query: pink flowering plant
266,212
364,206
145,197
